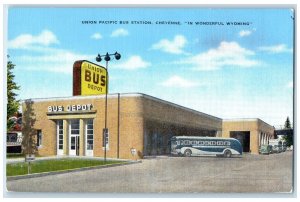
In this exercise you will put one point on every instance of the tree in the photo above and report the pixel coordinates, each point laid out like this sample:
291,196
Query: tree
288,138
287,124
12,102
28,131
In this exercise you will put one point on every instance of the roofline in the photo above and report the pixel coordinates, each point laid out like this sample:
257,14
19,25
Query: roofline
247,119
179,106
81,97
115,95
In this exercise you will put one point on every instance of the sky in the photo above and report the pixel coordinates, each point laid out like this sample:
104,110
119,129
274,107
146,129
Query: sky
229,63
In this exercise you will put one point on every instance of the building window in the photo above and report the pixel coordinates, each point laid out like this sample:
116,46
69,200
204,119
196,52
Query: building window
89,134
106,139
39,138
75,130
74,127
60,133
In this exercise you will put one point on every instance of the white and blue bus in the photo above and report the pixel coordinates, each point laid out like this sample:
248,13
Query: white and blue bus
198,146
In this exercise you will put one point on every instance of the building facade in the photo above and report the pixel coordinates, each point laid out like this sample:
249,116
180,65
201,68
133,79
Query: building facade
136,122
73,126
252,133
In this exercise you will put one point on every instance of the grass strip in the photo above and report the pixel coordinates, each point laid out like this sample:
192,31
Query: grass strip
41,166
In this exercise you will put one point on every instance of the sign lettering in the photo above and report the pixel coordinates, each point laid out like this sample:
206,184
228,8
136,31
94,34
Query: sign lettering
78,107
89,78
203,143
93,79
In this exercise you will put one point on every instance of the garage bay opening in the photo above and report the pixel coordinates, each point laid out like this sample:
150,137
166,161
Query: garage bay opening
243,137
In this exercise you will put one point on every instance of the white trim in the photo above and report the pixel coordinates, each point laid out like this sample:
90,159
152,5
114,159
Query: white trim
59,151
89,152
71,152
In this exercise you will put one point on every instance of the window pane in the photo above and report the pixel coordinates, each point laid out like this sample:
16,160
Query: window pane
72,142
90,121
60,133
39,138
89,147
74,131
89,134
75,121
75,126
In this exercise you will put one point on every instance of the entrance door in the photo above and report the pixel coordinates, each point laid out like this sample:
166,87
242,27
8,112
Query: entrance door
74,147
74,137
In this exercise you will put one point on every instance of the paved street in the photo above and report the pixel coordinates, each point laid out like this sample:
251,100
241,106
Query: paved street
249,174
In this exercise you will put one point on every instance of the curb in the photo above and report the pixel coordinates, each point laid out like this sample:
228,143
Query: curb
18,177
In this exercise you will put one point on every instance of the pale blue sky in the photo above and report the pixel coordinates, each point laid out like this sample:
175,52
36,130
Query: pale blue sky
229,71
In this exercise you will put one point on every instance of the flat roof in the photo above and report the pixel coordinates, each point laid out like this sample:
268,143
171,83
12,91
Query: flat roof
241,119
246,119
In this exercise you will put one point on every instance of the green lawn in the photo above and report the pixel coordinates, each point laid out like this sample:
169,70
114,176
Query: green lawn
14,169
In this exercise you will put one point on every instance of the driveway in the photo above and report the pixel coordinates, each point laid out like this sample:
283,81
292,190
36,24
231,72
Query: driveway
249,174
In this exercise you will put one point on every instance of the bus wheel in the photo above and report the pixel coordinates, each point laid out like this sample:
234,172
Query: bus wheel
187,153
227,154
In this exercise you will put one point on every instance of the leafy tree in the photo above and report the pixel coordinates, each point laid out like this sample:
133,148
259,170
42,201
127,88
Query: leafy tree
28,131
12,102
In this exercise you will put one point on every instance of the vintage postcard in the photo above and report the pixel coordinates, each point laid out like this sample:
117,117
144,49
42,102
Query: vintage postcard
150,100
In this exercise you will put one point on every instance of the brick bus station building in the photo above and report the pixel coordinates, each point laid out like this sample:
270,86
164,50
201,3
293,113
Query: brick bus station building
73,126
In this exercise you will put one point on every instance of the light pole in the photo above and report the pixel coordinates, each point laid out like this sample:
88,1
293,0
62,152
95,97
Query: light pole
105,129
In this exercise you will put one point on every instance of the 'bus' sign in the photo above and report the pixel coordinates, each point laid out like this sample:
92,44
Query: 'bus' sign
88,78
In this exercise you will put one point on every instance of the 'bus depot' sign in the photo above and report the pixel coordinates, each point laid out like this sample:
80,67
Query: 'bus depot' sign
88,78
69,108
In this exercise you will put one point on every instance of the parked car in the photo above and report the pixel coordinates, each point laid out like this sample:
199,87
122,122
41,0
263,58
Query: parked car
276,145
265,149
284,146
276,149
271,149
